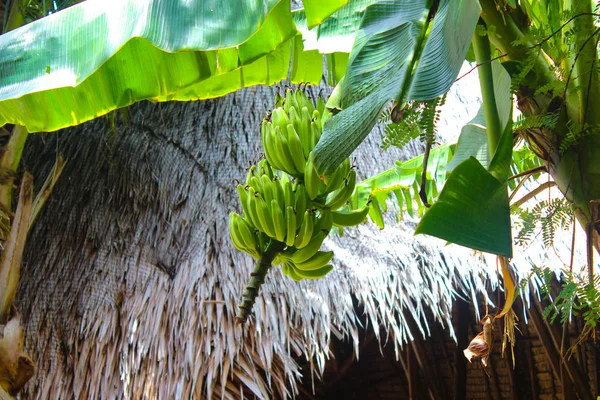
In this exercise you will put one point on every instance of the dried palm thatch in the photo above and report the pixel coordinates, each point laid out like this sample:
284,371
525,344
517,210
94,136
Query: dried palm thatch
130,282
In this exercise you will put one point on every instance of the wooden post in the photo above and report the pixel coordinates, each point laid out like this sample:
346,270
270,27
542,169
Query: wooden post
462,338
430,371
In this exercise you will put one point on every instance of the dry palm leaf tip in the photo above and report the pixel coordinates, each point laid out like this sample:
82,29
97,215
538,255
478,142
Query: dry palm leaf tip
288,210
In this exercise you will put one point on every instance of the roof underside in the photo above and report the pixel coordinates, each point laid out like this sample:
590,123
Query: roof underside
130,284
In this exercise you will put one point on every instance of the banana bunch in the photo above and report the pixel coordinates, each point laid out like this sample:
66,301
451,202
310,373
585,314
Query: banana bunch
277,209
288,209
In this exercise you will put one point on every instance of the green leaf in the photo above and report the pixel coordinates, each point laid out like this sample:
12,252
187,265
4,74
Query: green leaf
90,59
336,67
336,33
472,211
400,182
318,10
307,66
398,54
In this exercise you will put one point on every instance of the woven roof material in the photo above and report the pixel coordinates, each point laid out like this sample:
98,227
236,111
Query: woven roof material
130,282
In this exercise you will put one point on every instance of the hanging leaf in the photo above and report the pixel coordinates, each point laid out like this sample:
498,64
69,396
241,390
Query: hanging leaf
472,211
398,49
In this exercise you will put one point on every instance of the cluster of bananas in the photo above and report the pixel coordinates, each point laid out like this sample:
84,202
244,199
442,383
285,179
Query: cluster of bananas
285,202
276,208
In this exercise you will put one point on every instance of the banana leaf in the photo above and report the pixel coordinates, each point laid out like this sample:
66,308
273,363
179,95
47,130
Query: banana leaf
473,208
335,34
91,58
404,50
317,10
401,183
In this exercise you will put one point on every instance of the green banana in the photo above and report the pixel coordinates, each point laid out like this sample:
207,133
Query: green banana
285,202
278,193
256,184
350,218
310,249
249,237
290,220
251,208
289,101
288,269
301,203
278,98
305,101
293,115
318,260
278,221
243,199
325,222
284,151
234,234
295,147
313,274
263,241
316,118
305,132
279,116
338,198
264,216
241,235
288,195
311,179
267,188
340,173
271,150
251,173
306,230
264,168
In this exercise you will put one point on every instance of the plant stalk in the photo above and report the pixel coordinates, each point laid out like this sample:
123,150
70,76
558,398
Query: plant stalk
257,279
481,46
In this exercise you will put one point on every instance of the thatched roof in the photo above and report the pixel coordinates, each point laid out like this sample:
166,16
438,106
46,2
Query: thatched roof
130,283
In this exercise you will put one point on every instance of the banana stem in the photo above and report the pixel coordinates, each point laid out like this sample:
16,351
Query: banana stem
481,46
257,279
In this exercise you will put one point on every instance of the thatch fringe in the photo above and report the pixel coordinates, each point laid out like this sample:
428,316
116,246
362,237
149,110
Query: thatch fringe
130,283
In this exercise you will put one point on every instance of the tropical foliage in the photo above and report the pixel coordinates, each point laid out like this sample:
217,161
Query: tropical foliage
392,61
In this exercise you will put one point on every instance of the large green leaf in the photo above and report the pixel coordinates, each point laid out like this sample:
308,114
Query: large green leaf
472,211
399,53
89,59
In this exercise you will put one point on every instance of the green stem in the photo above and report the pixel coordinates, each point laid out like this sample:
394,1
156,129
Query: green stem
257,279
481,46
584,74
10,161
506,33
414,62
